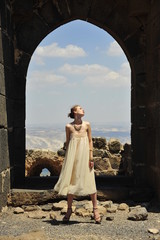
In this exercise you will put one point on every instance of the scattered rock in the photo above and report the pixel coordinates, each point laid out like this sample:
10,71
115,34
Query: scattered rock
123,207
138,214
59,205
37,215
112,209
18,210
107,204
47,207
114,145
31,208
153,230
99,142
102,210
110,218
82,212
53,215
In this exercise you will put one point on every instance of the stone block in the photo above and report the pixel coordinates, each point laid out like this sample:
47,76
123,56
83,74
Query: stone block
139,145
4,152
3,118
2,80
19,87
9,87
19,138
7,48
99,142
18,178
81,8
141,89
30,33
1,48
22,61
139,116
2,13
4,188
10,113
153,115
19,113
133,44
47,11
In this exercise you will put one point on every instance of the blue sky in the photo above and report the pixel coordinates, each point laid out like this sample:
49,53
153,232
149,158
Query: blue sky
78,63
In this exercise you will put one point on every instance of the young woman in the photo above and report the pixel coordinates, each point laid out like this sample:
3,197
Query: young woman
77,174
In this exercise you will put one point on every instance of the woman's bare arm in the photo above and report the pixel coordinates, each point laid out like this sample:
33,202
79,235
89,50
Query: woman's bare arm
90,141
67,135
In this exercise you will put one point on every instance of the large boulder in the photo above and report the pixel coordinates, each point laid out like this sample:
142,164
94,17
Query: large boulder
99,143
115,145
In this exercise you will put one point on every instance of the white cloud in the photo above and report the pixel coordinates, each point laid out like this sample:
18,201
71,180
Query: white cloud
98,76
44,78
115,50
53,50
83,69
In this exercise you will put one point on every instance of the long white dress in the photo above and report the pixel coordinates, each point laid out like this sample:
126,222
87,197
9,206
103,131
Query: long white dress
76,177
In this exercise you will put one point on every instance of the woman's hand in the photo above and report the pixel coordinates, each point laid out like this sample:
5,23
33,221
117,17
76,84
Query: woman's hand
91,164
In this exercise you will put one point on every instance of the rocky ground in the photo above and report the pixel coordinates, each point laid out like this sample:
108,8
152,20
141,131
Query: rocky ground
120,221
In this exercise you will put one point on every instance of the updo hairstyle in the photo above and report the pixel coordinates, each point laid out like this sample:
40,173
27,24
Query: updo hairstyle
71,114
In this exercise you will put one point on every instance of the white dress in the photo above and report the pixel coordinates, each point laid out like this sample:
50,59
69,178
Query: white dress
76,177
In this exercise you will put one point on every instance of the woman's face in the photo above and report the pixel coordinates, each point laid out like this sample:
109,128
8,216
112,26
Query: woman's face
79,111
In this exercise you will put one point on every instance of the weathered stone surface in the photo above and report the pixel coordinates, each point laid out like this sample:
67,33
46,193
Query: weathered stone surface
4,188
107,204
31,208
114,145
99,143
115,161
18,210
4,153
36,160
101,164
123,207
53,215
110,218
47,207
112,209
37,214
153,230
59,205
3,119
29,197
2,80
138,214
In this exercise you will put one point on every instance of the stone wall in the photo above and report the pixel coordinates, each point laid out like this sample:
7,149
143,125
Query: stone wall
153,99
110,159
5,69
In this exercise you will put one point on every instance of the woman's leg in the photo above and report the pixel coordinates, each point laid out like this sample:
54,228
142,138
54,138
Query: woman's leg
70,200
94,200
97,217
69,209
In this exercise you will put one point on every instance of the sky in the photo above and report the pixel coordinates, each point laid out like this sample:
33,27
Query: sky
78,63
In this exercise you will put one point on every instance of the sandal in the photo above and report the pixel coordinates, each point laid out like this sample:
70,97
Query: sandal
67,216
97,216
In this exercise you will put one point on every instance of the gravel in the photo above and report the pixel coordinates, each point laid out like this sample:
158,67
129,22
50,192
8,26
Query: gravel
81,227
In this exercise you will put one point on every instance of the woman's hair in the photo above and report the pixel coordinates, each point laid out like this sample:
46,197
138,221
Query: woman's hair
71,114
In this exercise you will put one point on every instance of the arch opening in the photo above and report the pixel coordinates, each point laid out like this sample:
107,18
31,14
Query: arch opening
91,73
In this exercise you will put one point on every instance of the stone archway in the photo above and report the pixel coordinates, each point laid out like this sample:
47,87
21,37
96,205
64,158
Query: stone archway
37,160
134,25
111,16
